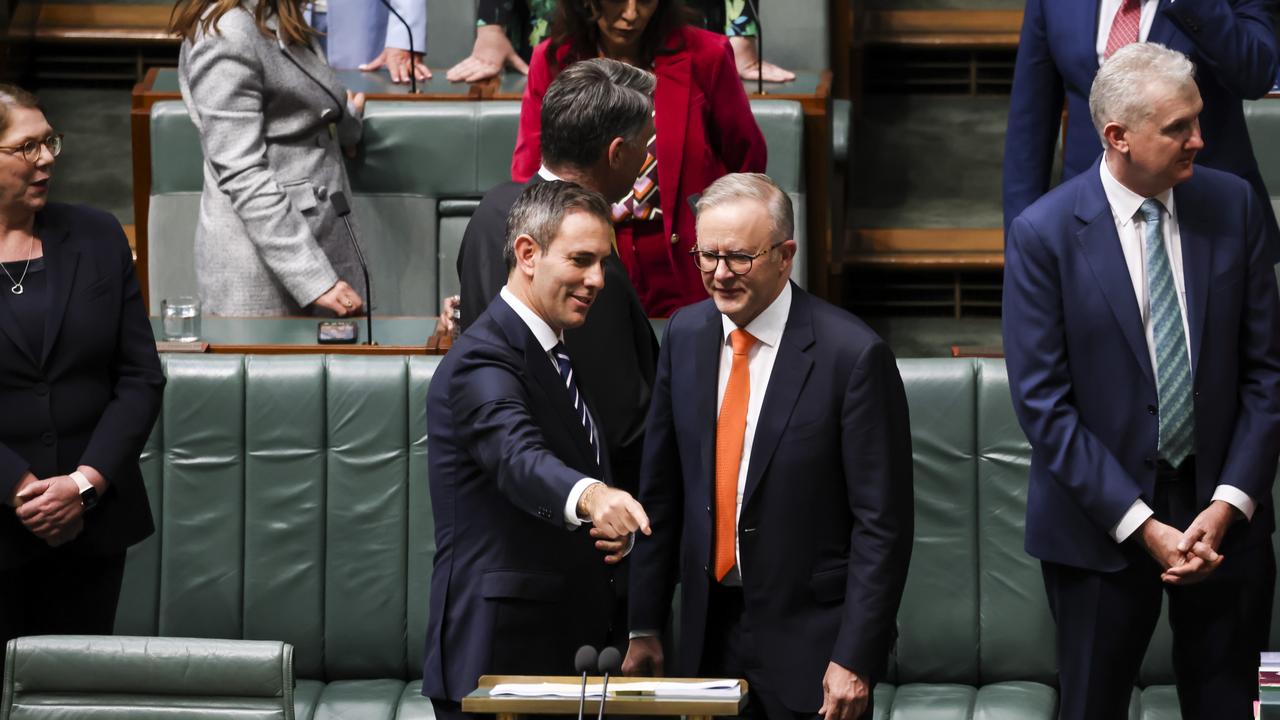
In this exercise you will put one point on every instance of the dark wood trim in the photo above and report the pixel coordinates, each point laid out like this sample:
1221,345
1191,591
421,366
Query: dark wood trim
944,28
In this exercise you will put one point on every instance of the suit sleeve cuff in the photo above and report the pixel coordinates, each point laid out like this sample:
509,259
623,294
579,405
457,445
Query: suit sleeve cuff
1137,514
1236,498
571,518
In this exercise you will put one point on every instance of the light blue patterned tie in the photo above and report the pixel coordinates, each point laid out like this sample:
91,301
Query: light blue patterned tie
1173,367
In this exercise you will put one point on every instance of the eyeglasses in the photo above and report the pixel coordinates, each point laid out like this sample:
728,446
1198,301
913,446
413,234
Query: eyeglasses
31,148
738,263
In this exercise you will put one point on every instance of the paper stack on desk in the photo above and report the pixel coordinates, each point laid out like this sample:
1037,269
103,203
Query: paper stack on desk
708,690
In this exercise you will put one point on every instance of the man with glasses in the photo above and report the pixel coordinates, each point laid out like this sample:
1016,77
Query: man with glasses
776,475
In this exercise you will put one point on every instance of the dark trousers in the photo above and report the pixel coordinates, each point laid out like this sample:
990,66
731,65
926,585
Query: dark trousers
61,594
729,651
1105,622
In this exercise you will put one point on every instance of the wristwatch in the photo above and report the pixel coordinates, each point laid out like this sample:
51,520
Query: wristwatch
88,493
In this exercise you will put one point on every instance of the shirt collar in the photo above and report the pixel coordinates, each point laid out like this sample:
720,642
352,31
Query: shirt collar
542,332
547,175
767,327
1125,202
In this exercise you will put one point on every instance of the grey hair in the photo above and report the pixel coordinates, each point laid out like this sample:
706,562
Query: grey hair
1119,90
588,105
540,210
12,96
752,186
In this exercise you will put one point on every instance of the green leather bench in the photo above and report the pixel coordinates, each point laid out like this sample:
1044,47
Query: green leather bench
1263,120
291,502
421,171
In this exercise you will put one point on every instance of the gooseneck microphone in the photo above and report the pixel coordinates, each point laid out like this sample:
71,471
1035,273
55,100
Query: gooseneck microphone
413,69
340,205
610,662
584,662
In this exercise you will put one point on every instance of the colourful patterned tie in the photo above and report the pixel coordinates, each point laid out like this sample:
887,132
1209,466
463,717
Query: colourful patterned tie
731,430
643,202
1173,367
1124,28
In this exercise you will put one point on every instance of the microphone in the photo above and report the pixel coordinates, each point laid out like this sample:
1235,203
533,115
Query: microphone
759,48
413,70
610,662
583,662
339,200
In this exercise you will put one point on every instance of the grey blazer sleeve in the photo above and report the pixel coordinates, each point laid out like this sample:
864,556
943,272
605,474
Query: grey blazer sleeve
225,77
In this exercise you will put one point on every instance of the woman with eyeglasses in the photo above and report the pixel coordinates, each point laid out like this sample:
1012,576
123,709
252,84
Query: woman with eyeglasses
80,387
704,129
273,120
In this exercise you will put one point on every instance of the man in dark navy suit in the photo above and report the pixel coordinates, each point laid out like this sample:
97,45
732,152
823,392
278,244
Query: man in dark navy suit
777,474
1063,42
1143,342
518,465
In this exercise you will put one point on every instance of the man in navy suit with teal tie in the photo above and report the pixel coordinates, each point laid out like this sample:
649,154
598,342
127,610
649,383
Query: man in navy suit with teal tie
1143,341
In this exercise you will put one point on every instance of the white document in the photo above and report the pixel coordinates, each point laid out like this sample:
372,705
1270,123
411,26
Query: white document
707,690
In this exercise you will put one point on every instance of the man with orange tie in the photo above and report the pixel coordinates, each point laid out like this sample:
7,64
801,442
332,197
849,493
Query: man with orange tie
1063,43
776,475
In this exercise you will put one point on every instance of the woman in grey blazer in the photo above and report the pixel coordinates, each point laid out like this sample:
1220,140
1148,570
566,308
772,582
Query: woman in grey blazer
272,117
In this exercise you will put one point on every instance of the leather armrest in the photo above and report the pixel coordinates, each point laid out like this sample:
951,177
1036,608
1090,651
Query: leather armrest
48,675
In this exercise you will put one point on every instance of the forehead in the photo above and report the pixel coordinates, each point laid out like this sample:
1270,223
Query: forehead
739,224
580,231
1170,102
25,124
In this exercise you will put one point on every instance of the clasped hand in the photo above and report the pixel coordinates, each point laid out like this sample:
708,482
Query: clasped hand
50,508
1189,557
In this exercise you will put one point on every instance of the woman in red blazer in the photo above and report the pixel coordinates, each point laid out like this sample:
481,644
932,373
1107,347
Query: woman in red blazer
704,129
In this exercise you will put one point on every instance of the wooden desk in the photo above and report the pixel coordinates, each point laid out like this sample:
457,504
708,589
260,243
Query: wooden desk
297,336
510,708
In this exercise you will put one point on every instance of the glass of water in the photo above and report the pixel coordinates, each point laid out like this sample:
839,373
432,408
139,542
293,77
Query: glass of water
181,318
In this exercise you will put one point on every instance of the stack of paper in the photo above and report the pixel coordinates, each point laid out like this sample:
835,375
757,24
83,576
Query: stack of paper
707,690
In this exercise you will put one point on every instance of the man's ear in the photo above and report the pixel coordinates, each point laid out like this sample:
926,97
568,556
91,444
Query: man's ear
614,152
526,249
1116,137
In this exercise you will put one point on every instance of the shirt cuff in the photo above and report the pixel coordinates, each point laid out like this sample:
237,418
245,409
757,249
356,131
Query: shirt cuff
571,505
1236,498
641,634
1137,514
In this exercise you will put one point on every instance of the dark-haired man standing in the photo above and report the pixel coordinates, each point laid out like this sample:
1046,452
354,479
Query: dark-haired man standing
518,465
597,117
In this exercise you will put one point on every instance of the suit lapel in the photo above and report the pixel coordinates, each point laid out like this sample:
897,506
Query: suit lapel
708,345
791,368
1195,230
544,375
1162,27
60,261
1101,246
671,104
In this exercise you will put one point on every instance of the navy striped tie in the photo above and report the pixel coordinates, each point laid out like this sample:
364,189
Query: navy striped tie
1173,367
579,406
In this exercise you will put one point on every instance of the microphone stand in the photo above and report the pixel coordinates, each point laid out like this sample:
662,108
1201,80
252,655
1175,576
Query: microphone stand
413,69
343,209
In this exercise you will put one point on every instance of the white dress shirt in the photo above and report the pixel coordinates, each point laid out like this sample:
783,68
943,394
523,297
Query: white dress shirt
548,338
1107,14
1131,227
767,329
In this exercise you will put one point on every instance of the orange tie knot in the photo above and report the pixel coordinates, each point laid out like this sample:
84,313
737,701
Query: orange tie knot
742,341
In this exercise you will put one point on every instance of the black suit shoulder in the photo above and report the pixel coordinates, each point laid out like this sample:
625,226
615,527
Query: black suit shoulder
482,271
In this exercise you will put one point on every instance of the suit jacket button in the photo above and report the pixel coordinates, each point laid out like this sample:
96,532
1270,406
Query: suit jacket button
675,238
1195,394
708,509
1151,409
47,438
42,389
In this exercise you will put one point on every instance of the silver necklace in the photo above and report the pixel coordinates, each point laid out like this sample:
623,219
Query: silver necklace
17,284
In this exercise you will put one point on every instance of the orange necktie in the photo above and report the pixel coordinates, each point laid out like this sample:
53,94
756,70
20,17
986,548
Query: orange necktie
1124,27
731,428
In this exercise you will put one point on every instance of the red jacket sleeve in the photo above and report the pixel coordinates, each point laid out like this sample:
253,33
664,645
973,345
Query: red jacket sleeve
527,157
735,136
